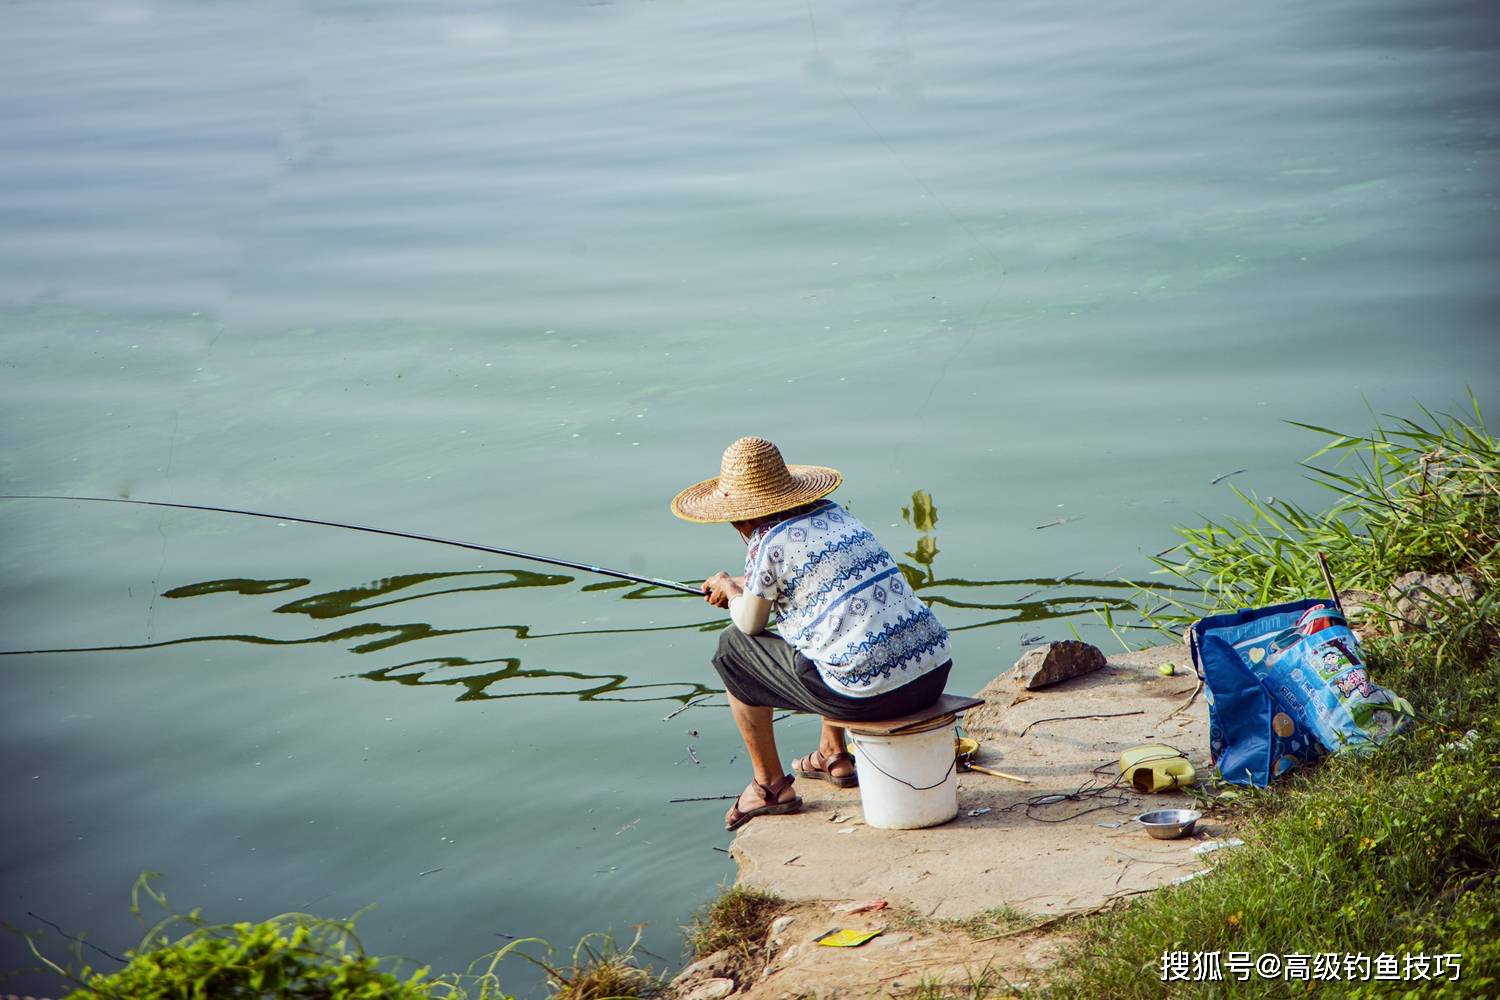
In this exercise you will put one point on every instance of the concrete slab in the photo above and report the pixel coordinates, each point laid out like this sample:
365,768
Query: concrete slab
1066,856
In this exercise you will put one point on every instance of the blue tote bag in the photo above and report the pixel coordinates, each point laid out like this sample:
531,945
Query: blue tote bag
1285,685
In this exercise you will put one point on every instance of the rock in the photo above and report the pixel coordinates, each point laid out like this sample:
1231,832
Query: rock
1362,609
713,989
1055,662
707,965
780,924
1415,594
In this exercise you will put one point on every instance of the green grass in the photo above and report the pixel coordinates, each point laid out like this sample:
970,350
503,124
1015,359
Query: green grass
996,920
980,984
1395,851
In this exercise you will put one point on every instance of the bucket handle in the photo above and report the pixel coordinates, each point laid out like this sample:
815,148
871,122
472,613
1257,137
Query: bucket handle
865,753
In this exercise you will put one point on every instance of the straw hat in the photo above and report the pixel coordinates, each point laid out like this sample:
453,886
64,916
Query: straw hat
753,481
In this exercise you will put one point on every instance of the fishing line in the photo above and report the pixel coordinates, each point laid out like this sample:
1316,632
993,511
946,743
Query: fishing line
1107,795
162,564
492,549
75,937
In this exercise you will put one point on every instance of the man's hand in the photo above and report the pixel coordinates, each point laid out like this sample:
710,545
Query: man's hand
721,588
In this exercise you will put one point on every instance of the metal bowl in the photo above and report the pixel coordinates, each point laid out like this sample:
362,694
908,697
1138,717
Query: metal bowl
1169,824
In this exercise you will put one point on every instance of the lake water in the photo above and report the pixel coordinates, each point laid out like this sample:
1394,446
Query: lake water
517,272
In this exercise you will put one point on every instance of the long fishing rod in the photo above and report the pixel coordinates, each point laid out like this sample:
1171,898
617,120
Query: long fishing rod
494,550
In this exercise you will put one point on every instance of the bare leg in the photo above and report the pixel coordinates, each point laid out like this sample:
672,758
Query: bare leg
760,740
831,743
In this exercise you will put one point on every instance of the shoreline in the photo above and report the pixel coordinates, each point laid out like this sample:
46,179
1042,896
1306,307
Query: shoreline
999,868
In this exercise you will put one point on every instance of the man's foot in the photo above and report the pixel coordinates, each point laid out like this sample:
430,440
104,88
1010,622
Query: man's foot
837,768
762,800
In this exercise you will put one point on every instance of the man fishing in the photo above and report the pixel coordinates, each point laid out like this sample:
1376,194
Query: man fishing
855,642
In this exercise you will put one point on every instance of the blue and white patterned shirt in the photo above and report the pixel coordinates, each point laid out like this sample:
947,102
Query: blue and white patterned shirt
841,600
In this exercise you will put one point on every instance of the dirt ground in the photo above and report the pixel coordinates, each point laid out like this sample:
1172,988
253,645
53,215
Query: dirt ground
1058,858
896,963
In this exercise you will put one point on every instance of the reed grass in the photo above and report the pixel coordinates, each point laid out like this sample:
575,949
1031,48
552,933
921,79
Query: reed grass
1392,852
1410,495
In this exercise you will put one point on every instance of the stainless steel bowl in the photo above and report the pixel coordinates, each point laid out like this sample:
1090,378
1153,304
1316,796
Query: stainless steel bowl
1169,824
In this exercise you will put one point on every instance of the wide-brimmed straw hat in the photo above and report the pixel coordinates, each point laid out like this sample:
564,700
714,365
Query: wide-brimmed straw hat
753,481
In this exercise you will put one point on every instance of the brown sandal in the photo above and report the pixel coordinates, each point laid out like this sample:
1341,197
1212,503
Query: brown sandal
737,819
805,768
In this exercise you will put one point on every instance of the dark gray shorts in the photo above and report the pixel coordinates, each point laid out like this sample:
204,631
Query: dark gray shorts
767,671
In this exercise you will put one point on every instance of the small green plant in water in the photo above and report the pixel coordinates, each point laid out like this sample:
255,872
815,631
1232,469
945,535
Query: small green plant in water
291,955
283,957
315,958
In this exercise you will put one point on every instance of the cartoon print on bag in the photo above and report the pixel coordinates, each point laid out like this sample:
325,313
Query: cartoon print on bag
1331,662
1377,718
1347,650
1354,680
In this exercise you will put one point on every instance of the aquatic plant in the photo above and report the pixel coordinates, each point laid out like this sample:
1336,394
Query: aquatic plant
293,954
309,957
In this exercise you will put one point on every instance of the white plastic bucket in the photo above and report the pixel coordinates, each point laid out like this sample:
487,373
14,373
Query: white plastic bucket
907,781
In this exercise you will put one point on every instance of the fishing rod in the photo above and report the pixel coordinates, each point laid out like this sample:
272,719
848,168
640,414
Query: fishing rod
494,550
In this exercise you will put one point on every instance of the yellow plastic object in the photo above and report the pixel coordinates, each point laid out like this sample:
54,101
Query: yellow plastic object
845,938
1156,768
964,749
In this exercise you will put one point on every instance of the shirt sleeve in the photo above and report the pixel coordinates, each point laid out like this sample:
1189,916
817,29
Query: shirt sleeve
763,571
750,613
